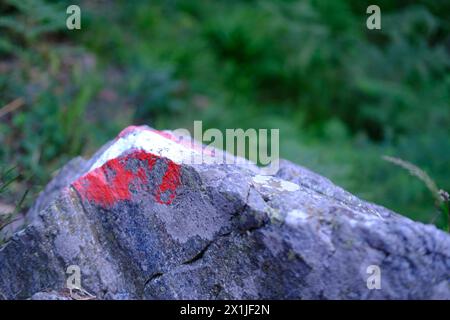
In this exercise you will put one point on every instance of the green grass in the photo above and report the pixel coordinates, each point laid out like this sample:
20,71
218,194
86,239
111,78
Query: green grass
441,197
7,177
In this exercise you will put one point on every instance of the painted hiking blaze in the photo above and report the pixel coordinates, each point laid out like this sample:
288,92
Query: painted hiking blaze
169,184
111,182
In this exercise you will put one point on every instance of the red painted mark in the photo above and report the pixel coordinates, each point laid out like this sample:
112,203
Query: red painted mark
111,182
170,183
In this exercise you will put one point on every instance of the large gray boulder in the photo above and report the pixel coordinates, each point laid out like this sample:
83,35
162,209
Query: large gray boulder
142,224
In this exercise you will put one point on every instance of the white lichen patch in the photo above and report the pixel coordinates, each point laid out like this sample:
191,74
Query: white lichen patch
295,217
275,215
275,183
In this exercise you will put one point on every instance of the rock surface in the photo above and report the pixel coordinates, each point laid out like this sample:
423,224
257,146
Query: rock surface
51,295
142,224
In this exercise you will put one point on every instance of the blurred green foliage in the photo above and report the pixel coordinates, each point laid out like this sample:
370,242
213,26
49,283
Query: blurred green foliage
342,95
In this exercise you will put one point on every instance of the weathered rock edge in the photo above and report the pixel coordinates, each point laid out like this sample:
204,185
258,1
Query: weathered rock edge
143,226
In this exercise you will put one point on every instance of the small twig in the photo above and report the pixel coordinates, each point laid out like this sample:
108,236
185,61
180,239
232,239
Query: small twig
442,198
418,173
10,107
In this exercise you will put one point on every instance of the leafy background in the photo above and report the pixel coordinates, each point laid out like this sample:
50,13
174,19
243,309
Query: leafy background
342,95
